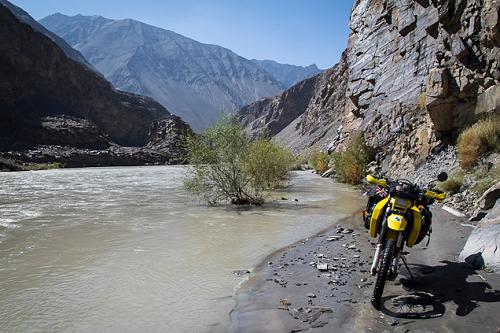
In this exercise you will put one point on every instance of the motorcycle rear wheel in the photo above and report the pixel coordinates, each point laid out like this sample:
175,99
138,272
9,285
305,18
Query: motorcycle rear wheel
385,264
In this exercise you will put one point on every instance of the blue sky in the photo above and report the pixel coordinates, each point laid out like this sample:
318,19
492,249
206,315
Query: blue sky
298,32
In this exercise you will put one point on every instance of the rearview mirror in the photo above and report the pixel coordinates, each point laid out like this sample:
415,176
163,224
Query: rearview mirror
442,176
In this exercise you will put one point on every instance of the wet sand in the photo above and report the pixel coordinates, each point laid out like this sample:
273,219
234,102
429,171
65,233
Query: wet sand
288,293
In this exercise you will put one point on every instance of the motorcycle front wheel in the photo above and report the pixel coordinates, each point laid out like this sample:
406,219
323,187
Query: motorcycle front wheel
385,264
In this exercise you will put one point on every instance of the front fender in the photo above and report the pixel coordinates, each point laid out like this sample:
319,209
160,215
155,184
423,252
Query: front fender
377,213
396,222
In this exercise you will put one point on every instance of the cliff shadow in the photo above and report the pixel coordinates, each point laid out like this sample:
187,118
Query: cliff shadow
433,286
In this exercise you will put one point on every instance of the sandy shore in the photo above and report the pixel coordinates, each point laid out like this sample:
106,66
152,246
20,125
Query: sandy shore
288,293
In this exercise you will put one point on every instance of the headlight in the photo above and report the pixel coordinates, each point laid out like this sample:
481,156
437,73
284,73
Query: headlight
401,203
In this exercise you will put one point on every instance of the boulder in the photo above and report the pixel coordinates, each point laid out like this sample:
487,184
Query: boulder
490,197
458,48
488,101
328,173
484,241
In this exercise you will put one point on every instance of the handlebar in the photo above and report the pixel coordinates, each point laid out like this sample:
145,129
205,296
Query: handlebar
430,194
380,182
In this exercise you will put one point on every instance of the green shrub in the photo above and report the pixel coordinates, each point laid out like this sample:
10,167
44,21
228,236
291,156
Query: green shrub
475,141
227,166
486,178
268,163
350,164
453,183
43,166
319,161
301,161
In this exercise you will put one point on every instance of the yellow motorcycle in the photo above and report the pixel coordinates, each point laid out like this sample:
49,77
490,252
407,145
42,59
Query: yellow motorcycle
398,214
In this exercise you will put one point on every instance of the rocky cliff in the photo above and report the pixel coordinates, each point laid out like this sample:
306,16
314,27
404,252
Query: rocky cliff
198,82
48,99
413,75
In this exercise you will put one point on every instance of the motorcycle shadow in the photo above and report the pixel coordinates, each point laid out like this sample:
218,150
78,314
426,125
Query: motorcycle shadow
433,286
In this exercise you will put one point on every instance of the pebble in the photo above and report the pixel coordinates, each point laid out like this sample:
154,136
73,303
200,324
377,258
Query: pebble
322,266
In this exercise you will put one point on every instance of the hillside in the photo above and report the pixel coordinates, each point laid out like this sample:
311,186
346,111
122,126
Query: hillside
55,109
24,17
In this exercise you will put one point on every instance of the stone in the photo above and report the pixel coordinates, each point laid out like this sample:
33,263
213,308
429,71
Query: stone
240,272
437,83
489,197
322,267
481,248
488,101
328,173
458,48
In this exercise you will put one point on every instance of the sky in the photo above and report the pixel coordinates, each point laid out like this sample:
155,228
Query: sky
299,32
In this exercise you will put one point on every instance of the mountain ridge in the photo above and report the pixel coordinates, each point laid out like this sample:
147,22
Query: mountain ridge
196,81
288,74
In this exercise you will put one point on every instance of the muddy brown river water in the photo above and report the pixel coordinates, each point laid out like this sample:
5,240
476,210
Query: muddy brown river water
128,250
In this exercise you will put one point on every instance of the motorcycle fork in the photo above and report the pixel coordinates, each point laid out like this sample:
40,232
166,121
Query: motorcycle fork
397,255
378,249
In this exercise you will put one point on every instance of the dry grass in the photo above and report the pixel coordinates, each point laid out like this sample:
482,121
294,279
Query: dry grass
475,141
421,101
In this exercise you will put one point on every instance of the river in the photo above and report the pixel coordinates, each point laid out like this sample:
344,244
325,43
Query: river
129,250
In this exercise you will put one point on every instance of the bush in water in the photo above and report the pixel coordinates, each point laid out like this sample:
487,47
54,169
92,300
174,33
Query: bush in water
226,166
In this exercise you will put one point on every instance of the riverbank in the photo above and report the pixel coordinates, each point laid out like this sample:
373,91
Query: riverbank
289,293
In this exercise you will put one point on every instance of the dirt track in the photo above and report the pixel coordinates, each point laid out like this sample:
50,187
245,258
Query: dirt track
287,292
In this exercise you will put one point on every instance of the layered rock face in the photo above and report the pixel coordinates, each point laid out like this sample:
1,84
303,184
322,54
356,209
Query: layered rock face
413,75
198,82
51,100
418,71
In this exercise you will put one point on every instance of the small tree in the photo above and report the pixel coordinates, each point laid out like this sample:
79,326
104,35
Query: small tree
227,166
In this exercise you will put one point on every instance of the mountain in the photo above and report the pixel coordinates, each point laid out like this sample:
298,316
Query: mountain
198,82
288,75
412,77
24,17
54,108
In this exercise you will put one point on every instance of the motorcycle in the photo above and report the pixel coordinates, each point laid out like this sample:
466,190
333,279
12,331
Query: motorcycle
398,214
